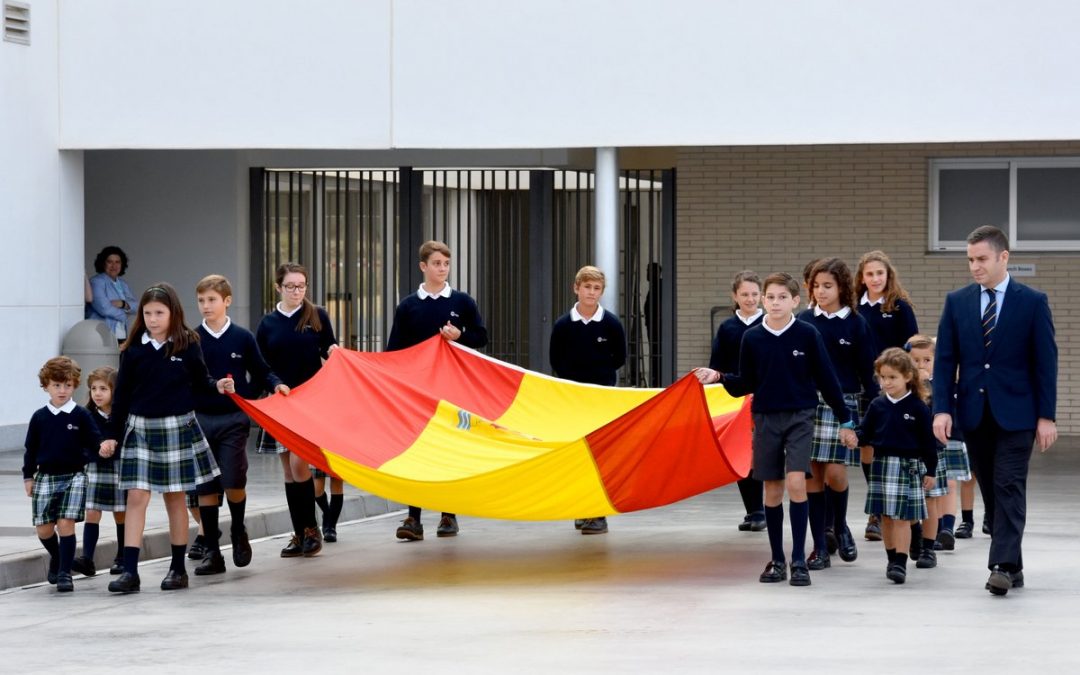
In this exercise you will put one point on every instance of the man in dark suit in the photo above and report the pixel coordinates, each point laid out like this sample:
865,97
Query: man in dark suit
996,352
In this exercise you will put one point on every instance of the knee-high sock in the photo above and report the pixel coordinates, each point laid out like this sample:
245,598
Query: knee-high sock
330,518
324,505
798,513
774,521
90,533
305,496
177,564
52,545
839,510
828,507
211,531
816,508
67,552
750,492
119,541
237,511
294,509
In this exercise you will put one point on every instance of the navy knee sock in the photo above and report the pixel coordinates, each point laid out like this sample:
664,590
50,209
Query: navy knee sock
131,559
330,519
67,552
294,509
948,522
90,534
237,511
839,509
774,520
305,497
211,532
119,540
52,545
798,514
816,502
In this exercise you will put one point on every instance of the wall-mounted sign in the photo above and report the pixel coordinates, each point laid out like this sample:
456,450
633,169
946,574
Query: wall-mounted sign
1021,269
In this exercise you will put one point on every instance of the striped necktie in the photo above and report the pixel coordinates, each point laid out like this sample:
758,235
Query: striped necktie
989,317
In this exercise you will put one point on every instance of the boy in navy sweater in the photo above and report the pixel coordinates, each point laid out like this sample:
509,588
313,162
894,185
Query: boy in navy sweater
588,344
435,309
59,443
230,351
783,362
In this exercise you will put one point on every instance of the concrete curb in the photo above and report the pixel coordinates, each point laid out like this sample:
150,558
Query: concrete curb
32,567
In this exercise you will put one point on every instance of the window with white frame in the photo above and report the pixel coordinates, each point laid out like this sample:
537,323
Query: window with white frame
1035,200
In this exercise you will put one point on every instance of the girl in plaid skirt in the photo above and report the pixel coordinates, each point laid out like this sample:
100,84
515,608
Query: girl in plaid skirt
102,478
898,428
162,447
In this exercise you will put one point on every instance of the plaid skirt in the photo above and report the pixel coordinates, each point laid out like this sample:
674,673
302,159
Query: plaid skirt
316,472
957,466
827,447
268,445
165,454
896,488
103,491
58,495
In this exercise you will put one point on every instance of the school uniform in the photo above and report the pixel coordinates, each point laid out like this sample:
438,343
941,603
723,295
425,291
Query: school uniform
588,349
724,357
103,491
889,329
851,345
952,457
1003,369
162,446
901,432
232,351
59,442
295,356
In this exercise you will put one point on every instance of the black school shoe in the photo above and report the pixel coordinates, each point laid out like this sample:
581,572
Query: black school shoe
197,550
64,584
594,526
578,522
125,583
84,566
896,573
965,530
775,571
293,549
411,529
1001,581
241,549
800,576
174,581
117,566
448,527
831,542
873,529
312,542
329,534
213,563
927,559
987,528
848,551
946,541
818,560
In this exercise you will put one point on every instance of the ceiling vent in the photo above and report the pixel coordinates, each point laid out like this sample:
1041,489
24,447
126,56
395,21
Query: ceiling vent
17,22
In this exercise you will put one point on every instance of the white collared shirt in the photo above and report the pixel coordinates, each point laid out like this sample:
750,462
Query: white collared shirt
444,293
575,315
999,294
67,407
842,313
289,313
897,400
752,318
157,345
219,333
780,332
867,301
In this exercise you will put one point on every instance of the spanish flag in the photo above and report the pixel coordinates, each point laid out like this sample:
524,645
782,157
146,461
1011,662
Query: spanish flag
446,428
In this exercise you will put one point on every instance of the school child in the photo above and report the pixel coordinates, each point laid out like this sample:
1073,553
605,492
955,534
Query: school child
102,478
851,349
435,309
588,344
330,508
952,462
784,363
230,351
885,305
162,447
746,313
898,430
59,442
295,338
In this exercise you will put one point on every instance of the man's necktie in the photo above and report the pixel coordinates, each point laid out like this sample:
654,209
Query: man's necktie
989,317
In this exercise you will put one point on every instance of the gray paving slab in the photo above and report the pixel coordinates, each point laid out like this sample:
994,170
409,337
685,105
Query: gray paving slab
667,590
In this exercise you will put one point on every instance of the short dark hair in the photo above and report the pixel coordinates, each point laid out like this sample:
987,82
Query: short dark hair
991,235
841,273
99,261
782,279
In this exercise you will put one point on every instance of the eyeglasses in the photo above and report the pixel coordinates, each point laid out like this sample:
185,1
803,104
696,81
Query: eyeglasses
293,288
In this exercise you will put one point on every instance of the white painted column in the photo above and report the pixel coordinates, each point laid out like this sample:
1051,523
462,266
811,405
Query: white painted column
606,221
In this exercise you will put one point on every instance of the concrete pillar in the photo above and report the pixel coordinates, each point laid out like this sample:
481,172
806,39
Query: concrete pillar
606,221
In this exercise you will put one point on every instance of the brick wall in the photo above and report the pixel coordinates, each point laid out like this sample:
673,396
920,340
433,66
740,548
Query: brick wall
775,208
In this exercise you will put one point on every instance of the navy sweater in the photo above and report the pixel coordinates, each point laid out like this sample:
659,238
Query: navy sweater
416,320
104,427
588,352
902,429
294,355
785,372
153,383
852,349
234,353
61,443
725,345
891,329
